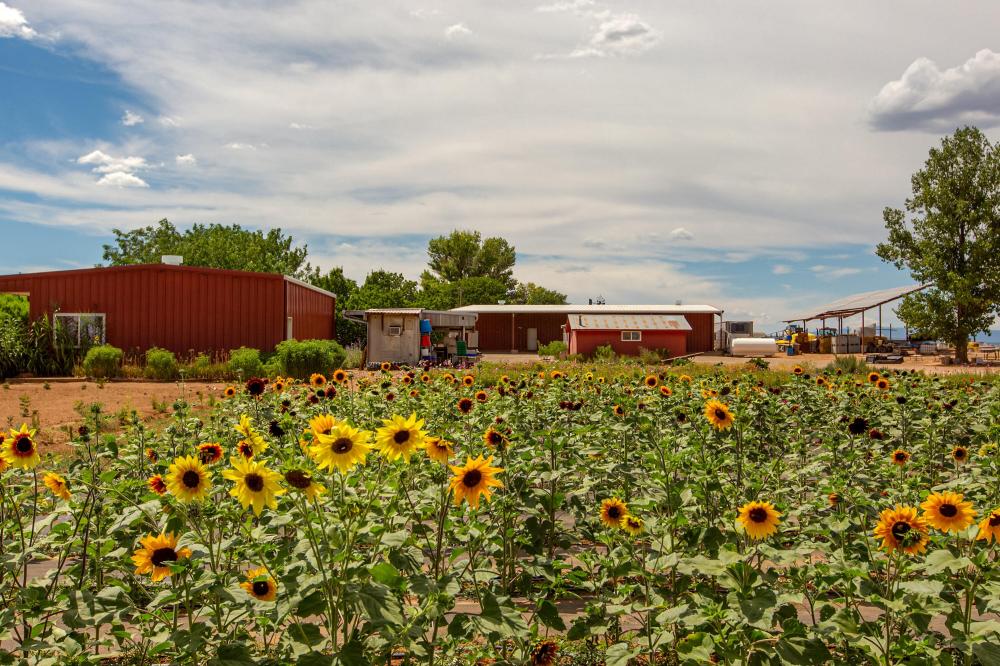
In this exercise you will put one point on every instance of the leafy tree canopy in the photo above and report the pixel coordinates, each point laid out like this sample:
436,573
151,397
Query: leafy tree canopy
212,246
384,289
465,254
529,293
348,332
949,237
439,295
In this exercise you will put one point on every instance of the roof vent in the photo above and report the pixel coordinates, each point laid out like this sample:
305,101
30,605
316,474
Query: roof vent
677,302
172,259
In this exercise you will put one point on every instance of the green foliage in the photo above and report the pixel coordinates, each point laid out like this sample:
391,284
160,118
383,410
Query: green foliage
301,358
384,289
161,364
212,246
465,254
529,293
245,362
13,350
951,240
48,350
103,361
440,295
14,307
352,359
556,348
605,353
851,365
348,332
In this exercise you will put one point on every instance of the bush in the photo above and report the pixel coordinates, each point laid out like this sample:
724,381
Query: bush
555,348
849,365
161,364
301,358
605,353
103,361
245,362
353,358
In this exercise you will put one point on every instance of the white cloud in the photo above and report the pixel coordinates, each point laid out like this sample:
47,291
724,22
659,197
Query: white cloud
122,179
830,272
781,269
104,163
681,234
237,145
926,97
456,30
566,6
14,24
300,126
129,119
186,160
619,34
168,121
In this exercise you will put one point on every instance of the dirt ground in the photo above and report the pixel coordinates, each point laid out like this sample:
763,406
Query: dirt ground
57,407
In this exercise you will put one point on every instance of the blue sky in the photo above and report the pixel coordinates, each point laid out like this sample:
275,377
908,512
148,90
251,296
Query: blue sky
732,154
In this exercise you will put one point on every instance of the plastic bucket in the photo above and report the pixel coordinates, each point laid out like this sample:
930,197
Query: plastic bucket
425,326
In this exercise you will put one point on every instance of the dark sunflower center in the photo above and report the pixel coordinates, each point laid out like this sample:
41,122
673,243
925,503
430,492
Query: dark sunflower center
614,512
191,479
472,478
900,530
401,436
758,515
994,519
342,445
255,482
163,555
261,588
298,479
23,444
495,438
900,456
720,414
959,453
948,510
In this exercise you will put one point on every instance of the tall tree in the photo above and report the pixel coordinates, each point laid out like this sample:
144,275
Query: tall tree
439,295
529,293
384,289
465,254
951,239
348,332
211,246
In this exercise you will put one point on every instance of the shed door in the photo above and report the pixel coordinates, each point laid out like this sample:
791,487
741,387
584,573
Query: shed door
288,328
532,343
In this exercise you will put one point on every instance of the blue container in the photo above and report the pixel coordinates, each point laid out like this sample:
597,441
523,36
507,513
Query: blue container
425,326
790,350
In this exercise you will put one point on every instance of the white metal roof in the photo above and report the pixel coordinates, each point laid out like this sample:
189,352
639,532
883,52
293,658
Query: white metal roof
628,322
591,309
856,303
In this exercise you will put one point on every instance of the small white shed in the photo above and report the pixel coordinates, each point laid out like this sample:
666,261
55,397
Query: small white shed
394,333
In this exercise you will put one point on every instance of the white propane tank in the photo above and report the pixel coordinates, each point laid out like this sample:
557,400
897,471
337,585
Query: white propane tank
754,347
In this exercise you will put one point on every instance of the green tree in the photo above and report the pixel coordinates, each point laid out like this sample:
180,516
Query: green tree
212,246
348,332
384,289
465,254
439,295
529,293
951,240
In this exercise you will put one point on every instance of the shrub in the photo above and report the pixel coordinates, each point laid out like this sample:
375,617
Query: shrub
605,353
555,348
103,361
245,362
353,358
301,358
161,364
849,365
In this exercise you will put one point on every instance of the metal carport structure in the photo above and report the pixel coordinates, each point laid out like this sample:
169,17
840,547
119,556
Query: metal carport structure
856,304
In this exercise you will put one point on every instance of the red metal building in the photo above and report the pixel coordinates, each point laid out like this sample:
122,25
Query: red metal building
521,328
627,334
180,308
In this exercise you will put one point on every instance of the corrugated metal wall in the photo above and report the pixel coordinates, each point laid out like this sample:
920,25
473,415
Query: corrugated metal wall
702,337
312,312
585,342
179,308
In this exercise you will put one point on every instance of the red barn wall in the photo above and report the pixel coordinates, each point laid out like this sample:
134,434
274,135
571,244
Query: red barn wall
585,342
312,312
178,308
702,332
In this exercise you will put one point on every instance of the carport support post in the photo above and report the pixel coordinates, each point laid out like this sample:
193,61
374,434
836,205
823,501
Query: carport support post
862,347
513,340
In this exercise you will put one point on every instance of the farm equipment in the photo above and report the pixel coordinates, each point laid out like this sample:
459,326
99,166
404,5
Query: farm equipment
878,345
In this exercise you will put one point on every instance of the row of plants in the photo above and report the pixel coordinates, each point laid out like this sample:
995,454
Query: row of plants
553,515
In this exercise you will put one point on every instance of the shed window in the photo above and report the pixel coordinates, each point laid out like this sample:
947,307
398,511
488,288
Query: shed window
631,336
81,328
395,330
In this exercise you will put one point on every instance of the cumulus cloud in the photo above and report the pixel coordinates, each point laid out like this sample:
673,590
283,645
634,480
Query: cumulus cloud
833,273
14,24
186,160
117,171
122,179
130,119
237,145
928,98
456,30
619,34
681,234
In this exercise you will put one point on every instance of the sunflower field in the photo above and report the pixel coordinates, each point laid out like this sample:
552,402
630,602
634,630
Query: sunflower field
561,516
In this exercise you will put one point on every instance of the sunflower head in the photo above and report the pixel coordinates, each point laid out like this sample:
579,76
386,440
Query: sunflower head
545,654
210,452
718,414
468,380
883,384
797,370
651,381
229,392
316,380
989,527
399,437
57,484
464,405
960,454
340,376
612,511
157,484
948,511
874,377
666,391
152,456
495,439
20,449
156,555
255,386
834,499
481,396
632,524
260,585
385,366
343,447
618,411
902,529
188,479
900,457
303,482
438,450
759,519
474,480
254,485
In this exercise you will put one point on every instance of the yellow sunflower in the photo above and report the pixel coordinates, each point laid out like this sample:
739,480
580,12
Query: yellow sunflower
481,396
464,405
260,585
20,449
438,450
468,380
210,452
340,376
57,484
685,378
156,554
157,485
883,384
612,511
230,391
495,439
386,366
618,411
947,511
874,377
666,391
324,424
900,457
474,480
797,370
759,519
250,435
651,381
399,437
343,448
302,481
960,454
317,380
632,524
556,374
901,528
718,415
188,479
989,527
255,484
